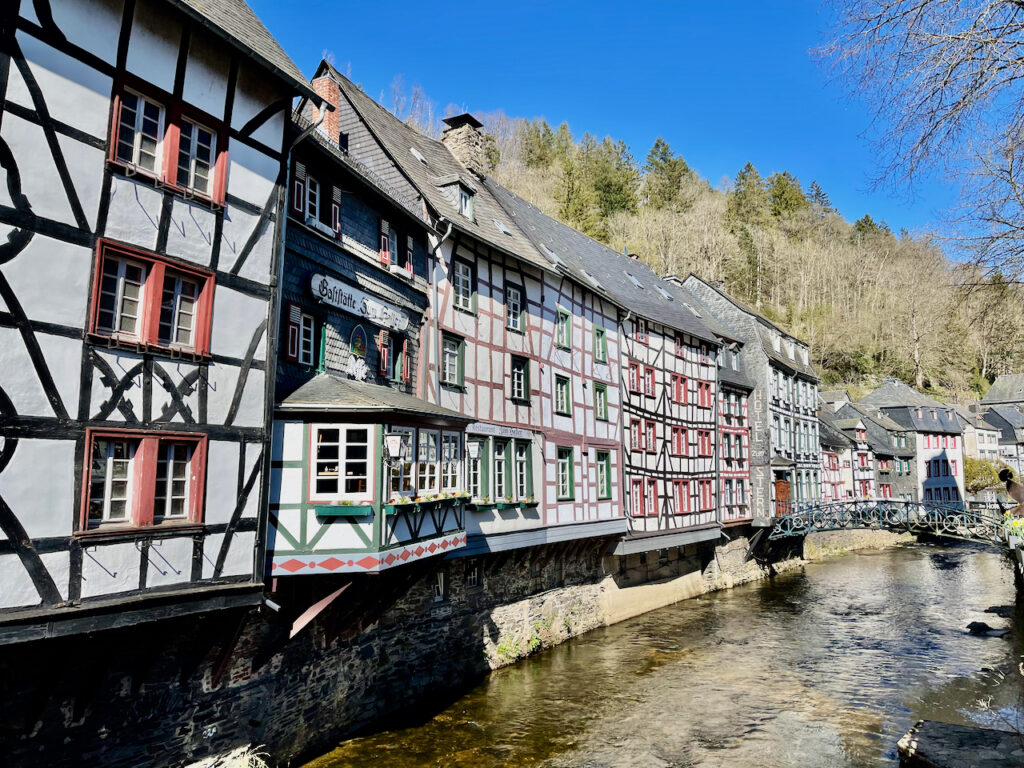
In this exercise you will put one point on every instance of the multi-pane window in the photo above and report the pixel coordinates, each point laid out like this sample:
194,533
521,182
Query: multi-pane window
635,377
110,481
704,399
462,280
475,463
140,132
637,498
703,442
196,155
143,479
678,393
172,480
121,297
601,401
452,352
678,441
636,435
649,381
401,468
524,473
140,299
520,376
640,330
342,466
178,310
427,461
600,344
651,436
451,461
306,333
312,199
563,396
563,329
500,469
564,474
681,489
604,474
513,308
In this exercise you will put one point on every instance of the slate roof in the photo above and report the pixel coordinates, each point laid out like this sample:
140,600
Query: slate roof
829,433
894,393
1011,423
970,419
328,393
764,326
835,396
585,256
1007,388
880,430
441,168
235,21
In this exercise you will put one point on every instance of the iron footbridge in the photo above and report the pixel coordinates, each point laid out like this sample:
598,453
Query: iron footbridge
949,520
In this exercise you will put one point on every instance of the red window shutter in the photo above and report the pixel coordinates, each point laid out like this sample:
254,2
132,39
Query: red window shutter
382,346
292,329
385,242
299,191
408,254
406,368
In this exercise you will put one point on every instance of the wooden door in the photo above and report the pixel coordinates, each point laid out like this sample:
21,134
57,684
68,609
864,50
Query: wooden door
782,497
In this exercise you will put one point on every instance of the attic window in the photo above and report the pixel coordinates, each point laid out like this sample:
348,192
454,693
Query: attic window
465,202
634,281
502,228
666,294
418,155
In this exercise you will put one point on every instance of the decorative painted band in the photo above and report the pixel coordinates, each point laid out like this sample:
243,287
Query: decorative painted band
371,562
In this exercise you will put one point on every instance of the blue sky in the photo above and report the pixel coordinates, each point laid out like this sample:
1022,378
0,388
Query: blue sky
723,83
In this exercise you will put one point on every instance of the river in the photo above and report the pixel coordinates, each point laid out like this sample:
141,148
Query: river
826,666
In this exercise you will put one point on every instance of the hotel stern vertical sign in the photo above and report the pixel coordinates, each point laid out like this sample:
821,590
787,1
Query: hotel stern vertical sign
350,299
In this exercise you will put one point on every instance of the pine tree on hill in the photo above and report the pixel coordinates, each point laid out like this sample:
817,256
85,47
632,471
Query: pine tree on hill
665,172
786,196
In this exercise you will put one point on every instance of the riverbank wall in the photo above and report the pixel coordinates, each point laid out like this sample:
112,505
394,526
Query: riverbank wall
384,649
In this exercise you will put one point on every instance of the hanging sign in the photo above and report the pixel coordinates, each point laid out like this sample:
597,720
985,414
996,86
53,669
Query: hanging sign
346,297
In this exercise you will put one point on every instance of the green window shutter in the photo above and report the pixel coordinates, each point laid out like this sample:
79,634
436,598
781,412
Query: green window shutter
572,474
485,467
529,468
462,363
321,362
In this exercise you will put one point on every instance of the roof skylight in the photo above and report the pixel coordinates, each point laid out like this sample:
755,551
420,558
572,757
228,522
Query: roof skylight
635,282
665,293
418,155
501,227
551,254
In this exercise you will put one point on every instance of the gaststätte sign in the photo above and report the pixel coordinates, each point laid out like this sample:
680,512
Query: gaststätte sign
342,296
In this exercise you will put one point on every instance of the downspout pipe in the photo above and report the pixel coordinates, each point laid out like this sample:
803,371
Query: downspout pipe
435,252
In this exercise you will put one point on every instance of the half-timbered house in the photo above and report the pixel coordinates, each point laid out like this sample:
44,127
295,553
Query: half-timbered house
508,340
785,457
836,450
937,434
366,475
142,147
859,470
893,448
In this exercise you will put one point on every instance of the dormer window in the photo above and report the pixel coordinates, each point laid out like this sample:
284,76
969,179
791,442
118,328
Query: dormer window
465,202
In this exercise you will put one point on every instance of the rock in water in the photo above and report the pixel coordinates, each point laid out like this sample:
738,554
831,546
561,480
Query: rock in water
981,628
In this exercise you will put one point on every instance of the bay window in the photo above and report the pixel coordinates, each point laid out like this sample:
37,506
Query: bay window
138,479
451,461
401,482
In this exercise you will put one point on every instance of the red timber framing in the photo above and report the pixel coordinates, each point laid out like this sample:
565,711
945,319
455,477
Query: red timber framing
734,454
555,422
187,370
673,482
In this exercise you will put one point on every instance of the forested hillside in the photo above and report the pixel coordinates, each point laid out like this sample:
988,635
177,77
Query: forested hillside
871,302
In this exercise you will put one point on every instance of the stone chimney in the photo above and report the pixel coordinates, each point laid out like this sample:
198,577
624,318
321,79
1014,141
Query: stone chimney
464,140
329,90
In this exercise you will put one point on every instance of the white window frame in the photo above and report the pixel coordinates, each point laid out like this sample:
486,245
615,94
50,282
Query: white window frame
312,208
193,159
119,297
465,202
108,466
343,460
513,308
462,285
499,469
563,395
475,469
451,462
564,473
601,403
428,470
518,368
138,134
167,461
402,475
603,460
450,362
563,328
307,334
521,459
175,281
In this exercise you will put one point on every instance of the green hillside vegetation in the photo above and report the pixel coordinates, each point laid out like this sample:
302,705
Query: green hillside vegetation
870,302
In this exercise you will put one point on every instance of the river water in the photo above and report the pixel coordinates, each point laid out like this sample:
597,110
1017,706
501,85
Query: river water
827,666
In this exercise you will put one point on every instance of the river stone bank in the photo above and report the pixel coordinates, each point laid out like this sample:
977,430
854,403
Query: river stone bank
174,693
944,745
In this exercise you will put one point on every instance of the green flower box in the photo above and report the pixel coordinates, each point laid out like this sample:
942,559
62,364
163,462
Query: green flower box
344,510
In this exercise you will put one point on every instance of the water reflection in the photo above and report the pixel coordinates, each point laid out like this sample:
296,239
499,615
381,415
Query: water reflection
825,667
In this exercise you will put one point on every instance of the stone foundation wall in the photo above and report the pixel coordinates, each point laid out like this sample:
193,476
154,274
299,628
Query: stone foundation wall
180,691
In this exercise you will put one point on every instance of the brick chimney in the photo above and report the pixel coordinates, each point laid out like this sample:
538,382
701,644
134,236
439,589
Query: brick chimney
464,140
327,89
